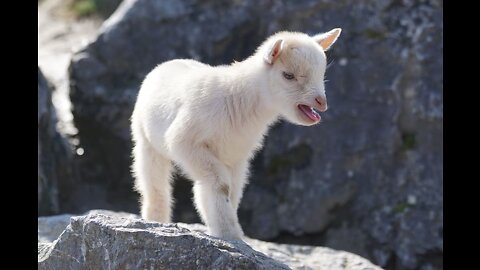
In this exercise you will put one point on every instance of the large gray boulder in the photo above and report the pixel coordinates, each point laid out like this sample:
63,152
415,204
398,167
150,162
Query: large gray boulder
55,169
372,171
109,240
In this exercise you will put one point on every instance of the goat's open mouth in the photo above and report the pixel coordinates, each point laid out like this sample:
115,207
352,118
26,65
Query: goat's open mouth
309,112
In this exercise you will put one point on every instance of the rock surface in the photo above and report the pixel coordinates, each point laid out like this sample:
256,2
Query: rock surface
372,171
54,154
109,240
59,36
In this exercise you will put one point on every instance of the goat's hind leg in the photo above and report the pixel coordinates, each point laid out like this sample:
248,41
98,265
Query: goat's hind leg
153,181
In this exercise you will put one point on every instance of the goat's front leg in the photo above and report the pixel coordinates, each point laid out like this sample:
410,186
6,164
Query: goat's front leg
212,189
239,181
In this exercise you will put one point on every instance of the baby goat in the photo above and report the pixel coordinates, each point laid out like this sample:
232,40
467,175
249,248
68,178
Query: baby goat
210,120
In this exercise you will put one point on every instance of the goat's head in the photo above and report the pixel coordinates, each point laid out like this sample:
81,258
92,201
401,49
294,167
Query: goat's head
296,66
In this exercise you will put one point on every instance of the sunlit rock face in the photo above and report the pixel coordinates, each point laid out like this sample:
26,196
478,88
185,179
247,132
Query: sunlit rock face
113,240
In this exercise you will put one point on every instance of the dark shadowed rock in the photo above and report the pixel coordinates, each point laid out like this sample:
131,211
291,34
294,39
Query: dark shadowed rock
109,240
372,171
54,154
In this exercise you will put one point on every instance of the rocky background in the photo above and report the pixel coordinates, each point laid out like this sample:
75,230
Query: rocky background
368,180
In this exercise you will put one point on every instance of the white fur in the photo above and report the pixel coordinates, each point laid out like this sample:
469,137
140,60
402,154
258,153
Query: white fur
210,120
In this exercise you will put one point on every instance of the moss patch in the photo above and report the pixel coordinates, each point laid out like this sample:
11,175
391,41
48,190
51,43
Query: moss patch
83,8
374,34
400,207
98,8
408,141
296,157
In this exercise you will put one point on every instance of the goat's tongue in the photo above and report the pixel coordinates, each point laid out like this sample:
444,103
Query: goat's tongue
308,111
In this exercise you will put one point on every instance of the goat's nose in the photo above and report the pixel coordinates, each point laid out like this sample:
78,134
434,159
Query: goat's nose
322,103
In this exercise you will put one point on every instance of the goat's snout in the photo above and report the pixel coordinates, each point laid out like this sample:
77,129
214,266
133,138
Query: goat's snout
321,103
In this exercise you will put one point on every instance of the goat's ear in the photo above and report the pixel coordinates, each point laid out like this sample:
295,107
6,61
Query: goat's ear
274,51
327,39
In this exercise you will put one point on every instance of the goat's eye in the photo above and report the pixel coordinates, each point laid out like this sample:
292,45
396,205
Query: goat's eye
288,76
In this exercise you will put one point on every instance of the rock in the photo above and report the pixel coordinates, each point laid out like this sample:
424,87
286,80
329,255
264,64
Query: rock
372,171
50,227
55,169
59,36
110,240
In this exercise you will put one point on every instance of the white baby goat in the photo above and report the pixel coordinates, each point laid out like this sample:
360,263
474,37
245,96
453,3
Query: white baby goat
210,120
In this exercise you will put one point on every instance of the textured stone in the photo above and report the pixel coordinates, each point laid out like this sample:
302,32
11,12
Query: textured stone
109,240
371,171
55,169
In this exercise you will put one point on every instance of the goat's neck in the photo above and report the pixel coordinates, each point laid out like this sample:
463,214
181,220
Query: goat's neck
250,100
